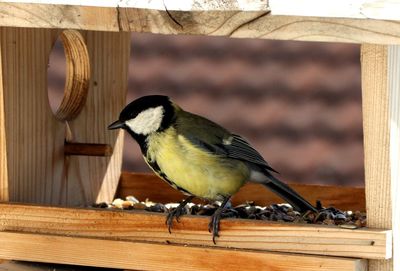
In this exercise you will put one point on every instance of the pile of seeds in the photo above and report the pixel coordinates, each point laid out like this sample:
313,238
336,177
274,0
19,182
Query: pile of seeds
275,212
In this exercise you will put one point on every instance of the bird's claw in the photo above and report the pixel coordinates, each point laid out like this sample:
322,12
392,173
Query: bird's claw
177,212
213,226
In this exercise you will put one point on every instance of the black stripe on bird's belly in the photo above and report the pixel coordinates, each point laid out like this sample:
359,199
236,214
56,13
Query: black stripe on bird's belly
162,175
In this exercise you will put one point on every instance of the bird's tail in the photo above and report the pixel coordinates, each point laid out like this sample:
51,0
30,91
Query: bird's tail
288,194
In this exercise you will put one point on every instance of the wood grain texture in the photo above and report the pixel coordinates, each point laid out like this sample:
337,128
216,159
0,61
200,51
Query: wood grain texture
32,139
377,141
376,134
232,21
77,75
383,9
95,179
4,193
146,256
58,16
261,25
142,186
364,9
235,233
394,108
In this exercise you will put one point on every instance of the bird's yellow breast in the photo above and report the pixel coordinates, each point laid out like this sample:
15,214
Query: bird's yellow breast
195,170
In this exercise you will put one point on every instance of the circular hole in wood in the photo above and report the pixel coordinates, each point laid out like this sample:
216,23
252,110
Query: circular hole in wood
73,62
56,72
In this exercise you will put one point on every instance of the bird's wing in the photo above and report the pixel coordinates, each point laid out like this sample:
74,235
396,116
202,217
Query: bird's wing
219,141
237,147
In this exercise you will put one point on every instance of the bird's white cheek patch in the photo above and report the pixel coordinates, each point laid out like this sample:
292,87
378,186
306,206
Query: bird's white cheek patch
147,121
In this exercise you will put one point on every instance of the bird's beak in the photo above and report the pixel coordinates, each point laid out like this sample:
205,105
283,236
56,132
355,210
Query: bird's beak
116,125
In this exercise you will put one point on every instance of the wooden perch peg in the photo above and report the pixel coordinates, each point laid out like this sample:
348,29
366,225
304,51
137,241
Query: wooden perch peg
87,149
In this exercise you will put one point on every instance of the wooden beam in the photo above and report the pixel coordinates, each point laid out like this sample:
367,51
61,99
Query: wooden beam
361,9
146,256
375,102
394,116
381,121
141,186
340,21
235,233
4,190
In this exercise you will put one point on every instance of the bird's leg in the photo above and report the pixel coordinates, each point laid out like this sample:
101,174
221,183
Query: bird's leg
213,226
177,212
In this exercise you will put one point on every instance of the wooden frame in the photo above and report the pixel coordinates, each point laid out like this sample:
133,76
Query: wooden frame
380,77
147,256
36,173
359,21
192,230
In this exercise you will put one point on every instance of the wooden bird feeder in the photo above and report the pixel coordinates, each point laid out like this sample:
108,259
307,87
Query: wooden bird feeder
51,163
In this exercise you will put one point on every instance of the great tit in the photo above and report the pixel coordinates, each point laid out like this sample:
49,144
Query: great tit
197,156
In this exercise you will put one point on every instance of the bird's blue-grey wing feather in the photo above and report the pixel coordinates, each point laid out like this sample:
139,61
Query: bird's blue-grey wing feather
219,141
239,148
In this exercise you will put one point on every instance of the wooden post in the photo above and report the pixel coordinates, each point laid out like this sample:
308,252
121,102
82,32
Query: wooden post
381,119
4,194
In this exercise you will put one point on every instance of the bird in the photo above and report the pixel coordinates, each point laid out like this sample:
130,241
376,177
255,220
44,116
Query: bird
198,157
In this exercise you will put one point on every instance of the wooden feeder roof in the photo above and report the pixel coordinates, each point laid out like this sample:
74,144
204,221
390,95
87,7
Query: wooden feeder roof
358,21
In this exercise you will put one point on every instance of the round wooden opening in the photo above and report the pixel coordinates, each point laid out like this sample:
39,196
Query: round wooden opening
74,64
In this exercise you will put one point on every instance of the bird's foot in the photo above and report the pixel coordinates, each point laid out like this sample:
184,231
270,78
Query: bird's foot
177,212
213,226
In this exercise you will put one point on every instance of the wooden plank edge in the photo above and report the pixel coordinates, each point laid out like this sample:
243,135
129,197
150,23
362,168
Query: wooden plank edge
147,256
140,185
192,230
230,23
377,146
342,9
394,110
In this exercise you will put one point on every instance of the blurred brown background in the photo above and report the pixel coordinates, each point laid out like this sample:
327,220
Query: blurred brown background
299,103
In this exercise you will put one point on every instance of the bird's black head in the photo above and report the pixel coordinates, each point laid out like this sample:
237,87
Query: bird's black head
146,115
